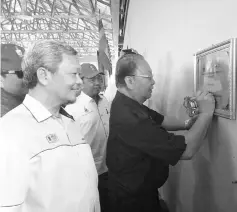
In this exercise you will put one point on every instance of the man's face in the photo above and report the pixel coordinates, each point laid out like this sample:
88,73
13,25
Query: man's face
66,83
14,84
92,86
144,81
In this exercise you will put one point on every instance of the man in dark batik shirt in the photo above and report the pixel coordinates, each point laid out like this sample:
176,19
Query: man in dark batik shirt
139,149
13,90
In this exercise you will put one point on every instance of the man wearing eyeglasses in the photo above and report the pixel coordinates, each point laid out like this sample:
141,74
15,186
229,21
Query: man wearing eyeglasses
13,90
91,113
140,149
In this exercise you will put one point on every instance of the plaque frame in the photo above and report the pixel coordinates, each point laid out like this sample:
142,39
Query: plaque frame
218,62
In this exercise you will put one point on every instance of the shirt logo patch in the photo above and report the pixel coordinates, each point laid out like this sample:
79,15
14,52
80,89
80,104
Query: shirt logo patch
52,138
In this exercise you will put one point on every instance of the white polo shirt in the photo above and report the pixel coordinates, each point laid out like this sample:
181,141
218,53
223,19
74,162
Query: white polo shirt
44,167
93,121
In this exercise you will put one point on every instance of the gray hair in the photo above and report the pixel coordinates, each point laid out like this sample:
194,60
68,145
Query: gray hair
46,54
126,66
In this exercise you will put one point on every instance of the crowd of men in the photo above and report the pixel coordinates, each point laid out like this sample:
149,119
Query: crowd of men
65,147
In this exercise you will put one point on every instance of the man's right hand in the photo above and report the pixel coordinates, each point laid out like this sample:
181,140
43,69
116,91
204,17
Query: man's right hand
206,102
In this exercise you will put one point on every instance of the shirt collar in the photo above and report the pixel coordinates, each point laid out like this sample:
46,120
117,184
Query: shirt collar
65,113
39,112
129,101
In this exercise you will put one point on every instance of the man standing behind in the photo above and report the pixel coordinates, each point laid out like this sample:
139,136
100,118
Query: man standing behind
46,166
91,113
13,90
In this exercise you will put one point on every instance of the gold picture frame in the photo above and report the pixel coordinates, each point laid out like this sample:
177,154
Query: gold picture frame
215,71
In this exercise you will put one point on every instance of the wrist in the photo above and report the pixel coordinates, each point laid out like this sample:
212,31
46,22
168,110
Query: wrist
186,124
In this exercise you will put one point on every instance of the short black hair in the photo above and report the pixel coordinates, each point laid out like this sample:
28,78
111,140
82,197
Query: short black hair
126,66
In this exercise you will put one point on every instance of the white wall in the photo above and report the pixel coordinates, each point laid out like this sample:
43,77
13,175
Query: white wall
168,33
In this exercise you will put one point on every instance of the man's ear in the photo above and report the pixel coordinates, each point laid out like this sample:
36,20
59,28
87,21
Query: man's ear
129,82
44,76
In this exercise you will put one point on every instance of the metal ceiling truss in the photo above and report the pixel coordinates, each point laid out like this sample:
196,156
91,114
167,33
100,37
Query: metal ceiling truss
72,21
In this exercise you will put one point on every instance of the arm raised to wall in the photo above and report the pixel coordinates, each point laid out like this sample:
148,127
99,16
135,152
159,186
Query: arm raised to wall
195,136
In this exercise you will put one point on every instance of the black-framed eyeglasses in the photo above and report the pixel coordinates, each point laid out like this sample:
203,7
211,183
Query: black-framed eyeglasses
142,75
18,73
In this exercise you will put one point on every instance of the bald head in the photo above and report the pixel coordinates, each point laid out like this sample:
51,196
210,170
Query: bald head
127,65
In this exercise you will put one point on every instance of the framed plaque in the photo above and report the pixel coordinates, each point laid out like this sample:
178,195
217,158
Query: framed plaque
215,71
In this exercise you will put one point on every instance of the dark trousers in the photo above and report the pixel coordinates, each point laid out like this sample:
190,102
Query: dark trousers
103,191
144,200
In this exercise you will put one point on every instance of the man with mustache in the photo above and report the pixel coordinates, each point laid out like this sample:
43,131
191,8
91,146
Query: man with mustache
140,148
13,90
91,113
45,163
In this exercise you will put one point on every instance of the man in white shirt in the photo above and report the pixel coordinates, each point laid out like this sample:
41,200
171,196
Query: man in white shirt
45,164
91,113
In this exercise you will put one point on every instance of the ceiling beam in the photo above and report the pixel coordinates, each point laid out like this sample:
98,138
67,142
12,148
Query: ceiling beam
105,3
85,22
51,31
19,15
92,7
55,19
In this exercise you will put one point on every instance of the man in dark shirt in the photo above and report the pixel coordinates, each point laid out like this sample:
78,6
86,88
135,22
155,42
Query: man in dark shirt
12,89
139,149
